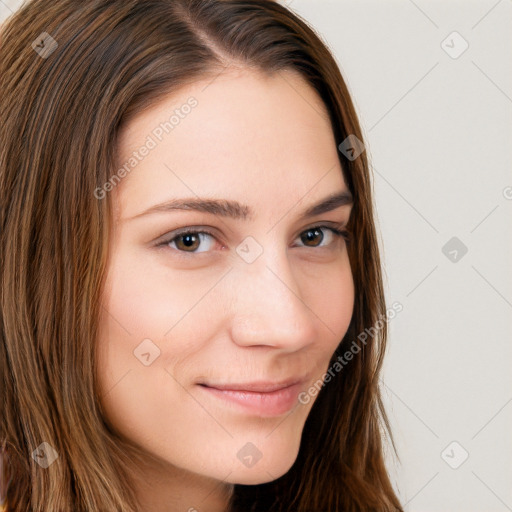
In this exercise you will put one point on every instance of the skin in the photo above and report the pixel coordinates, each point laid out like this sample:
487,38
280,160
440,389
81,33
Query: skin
266,142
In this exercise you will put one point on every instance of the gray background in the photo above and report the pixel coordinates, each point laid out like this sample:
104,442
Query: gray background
438,126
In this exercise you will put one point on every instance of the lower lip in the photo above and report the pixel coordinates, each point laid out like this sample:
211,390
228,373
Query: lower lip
270,404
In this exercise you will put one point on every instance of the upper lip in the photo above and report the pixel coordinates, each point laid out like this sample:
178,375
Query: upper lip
256,386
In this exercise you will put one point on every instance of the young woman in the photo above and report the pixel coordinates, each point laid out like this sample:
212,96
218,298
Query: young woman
192,310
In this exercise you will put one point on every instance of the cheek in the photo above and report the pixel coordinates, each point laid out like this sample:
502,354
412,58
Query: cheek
141,298
148,327
133,315
146,300
149,309
329,293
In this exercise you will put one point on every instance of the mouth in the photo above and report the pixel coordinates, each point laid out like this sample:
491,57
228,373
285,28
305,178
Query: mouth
266,399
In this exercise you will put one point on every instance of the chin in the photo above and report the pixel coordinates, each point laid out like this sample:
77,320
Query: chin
264,471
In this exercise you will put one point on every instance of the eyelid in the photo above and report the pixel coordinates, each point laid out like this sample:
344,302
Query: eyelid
339,229
166,238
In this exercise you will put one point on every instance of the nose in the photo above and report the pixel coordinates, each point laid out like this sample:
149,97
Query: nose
268,308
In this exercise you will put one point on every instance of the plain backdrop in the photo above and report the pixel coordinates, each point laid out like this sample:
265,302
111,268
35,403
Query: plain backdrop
432,83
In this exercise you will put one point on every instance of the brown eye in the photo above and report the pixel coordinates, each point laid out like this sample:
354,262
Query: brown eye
190,241
193,241
187,242
313,236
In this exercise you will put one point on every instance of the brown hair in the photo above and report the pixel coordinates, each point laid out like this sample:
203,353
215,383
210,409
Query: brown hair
61,108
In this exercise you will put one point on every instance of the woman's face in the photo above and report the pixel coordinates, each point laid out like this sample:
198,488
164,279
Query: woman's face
258,302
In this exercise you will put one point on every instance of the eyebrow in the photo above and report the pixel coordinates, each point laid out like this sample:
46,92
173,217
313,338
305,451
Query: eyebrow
238,211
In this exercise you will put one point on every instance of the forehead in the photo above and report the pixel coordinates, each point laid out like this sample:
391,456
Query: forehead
262,138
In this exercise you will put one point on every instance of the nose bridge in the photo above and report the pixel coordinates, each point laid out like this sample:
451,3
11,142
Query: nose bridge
267,306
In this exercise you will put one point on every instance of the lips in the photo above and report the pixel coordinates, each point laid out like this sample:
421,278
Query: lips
262,399
257,387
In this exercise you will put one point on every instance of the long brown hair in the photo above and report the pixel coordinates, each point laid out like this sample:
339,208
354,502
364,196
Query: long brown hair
71,74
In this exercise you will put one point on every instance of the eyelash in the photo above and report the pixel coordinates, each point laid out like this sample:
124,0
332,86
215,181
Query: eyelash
337,231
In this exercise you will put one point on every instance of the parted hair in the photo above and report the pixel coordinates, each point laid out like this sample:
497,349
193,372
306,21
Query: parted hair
61,113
